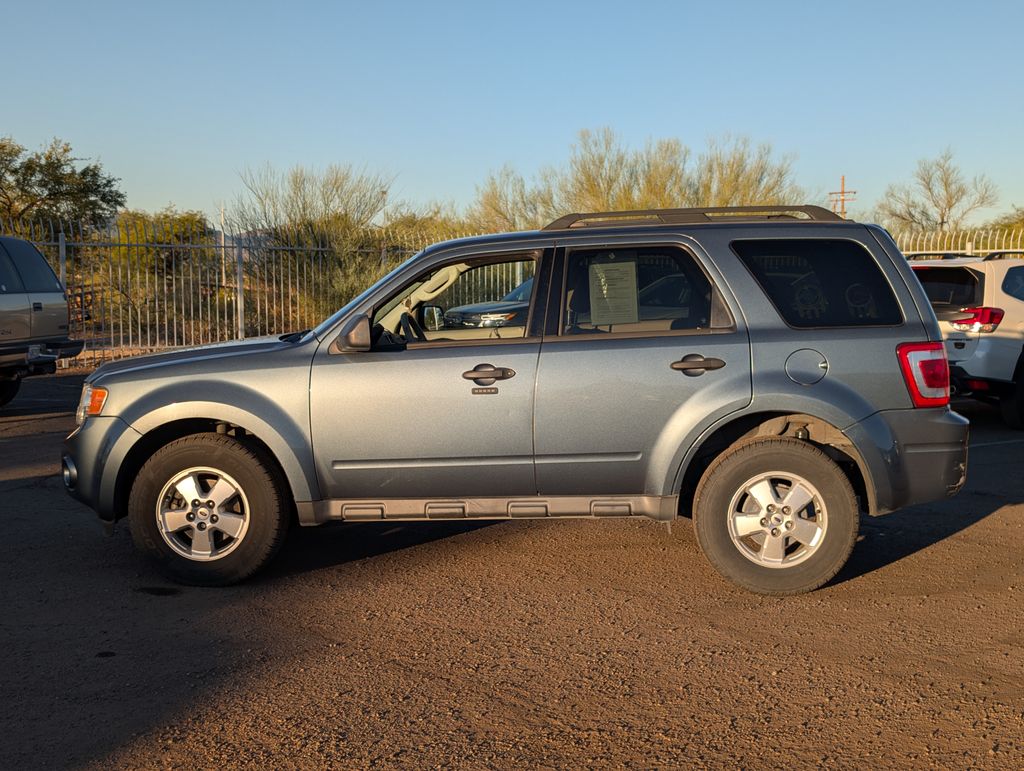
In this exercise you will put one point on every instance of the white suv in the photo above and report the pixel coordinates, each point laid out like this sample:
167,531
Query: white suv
979,302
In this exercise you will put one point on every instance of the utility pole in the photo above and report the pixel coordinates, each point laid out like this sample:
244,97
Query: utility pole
841,196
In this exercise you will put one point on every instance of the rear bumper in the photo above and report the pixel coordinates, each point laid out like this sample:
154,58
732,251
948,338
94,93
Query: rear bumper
994,357
32,357
962,383
912,456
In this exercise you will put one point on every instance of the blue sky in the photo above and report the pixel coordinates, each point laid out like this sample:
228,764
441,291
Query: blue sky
177,98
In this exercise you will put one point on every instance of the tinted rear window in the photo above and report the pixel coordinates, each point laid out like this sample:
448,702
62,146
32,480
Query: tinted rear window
821,282
959,287
35,272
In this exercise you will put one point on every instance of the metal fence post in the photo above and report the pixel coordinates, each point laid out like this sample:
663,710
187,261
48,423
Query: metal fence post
239,292
62,250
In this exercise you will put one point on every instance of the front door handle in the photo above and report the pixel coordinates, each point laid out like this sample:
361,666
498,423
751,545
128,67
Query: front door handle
693,364
486,374
37,306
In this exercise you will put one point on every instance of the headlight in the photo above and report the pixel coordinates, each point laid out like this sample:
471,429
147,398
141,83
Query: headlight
496,319
91,403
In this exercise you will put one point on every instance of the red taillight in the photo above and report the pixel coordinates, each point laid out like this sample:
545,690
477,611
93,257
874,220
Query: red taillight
926,372
980,320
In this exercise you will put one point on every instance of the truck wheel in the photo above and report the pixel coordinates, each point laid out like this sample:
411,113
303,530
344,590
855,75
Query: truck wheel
8,390
208,510
1012,407
776,516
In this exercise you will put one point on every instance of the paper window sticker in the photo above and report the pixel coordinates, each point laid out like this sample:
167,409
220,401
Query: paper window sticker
613,295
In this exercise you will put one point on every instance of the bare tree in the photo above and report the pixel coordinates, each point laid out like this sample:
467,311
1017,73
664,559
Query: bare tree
330,203
938,197
732,172
504,202
602,174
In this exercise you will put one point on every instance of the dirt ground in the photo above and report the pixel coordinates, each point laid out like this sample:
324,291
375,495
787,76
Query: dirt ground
519,644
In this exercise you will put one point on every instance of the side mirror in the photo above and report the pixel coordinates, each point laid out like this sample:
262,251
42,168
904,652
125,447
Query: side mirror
433,318
355,337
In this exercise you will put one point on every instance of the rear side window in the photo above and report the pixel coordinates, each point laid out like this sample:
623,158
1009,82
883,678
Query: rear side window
9,281
636,290
1013,284
35,272
822,282
957,287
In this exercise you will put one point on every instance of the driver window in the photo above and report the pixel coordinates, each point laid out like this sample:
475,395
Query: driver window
483,299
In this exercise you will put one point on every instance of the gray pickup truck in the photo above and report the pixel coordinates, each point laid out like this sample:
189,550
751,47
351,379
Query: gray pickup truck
774,372
33,316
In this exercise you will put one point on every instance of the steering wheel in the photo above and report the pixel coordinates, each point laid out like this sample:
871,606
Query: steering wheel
411,329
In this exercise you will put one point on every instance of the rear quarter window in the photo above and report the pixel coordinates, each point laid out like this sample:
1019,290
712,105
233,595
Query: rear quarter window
1013,283
817,282
35,272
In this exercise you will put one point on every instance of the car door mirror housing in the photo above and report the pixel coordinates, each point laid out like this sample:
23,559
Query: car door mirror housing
433,318
355,337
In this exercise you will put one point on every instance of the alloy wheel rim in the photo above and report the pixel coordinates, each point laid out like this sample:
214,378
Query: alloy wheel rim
777,519
202,513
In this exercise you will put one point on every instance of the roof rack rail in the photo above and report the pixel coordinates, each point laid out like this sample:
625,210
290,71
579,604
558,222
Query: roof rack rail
693,216
926,256
1006,254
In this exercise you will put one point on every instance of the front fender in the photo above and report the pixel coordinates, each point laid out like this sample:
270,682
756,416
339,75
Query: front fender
281,425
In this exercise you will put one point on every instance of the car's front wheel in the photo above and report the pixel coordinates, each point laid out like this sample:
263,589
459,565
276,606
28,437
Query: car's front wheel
776,516
208,510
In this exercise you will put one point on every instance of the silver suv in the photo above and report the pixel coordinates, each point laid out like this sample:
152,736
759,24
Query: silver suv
33,316
785,373
979,302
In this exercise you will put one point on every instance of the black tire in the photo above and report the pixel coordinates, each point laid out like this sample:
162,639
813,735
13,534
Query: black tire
255,476
1012,407
726,478
8,390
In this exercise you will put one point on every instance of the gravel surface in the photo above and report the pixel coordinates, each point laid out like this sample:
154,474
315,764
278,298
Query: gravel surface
540,644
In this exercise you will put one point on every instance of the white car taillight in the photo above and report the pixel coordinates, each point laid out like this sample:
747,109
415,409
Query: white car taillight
980,320
926,372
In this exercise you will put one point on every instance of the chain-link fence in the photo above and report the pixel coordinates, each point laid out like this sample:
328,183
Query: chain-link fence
144,285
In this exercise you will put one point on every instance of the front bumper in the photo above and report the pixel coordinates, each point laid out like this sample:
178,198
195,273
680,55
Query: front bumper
913,456
92,456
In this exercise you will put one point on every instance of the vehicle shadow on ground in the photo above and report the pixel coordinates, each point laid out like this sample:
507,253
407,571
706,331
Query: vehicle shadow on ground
313,548
50,396
887,539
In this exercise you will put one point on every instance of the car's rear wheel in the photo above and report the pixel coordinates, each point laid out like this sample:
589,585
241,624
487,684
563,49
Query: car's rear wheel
208,510
8,390
776,516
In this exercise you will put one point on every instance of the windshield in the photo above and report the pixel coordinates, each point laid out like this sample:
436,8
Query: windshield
325,326
521,293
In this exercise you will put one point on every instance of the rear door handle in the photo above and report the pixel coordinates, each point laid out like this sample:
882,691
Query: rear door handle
486,374
693,364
